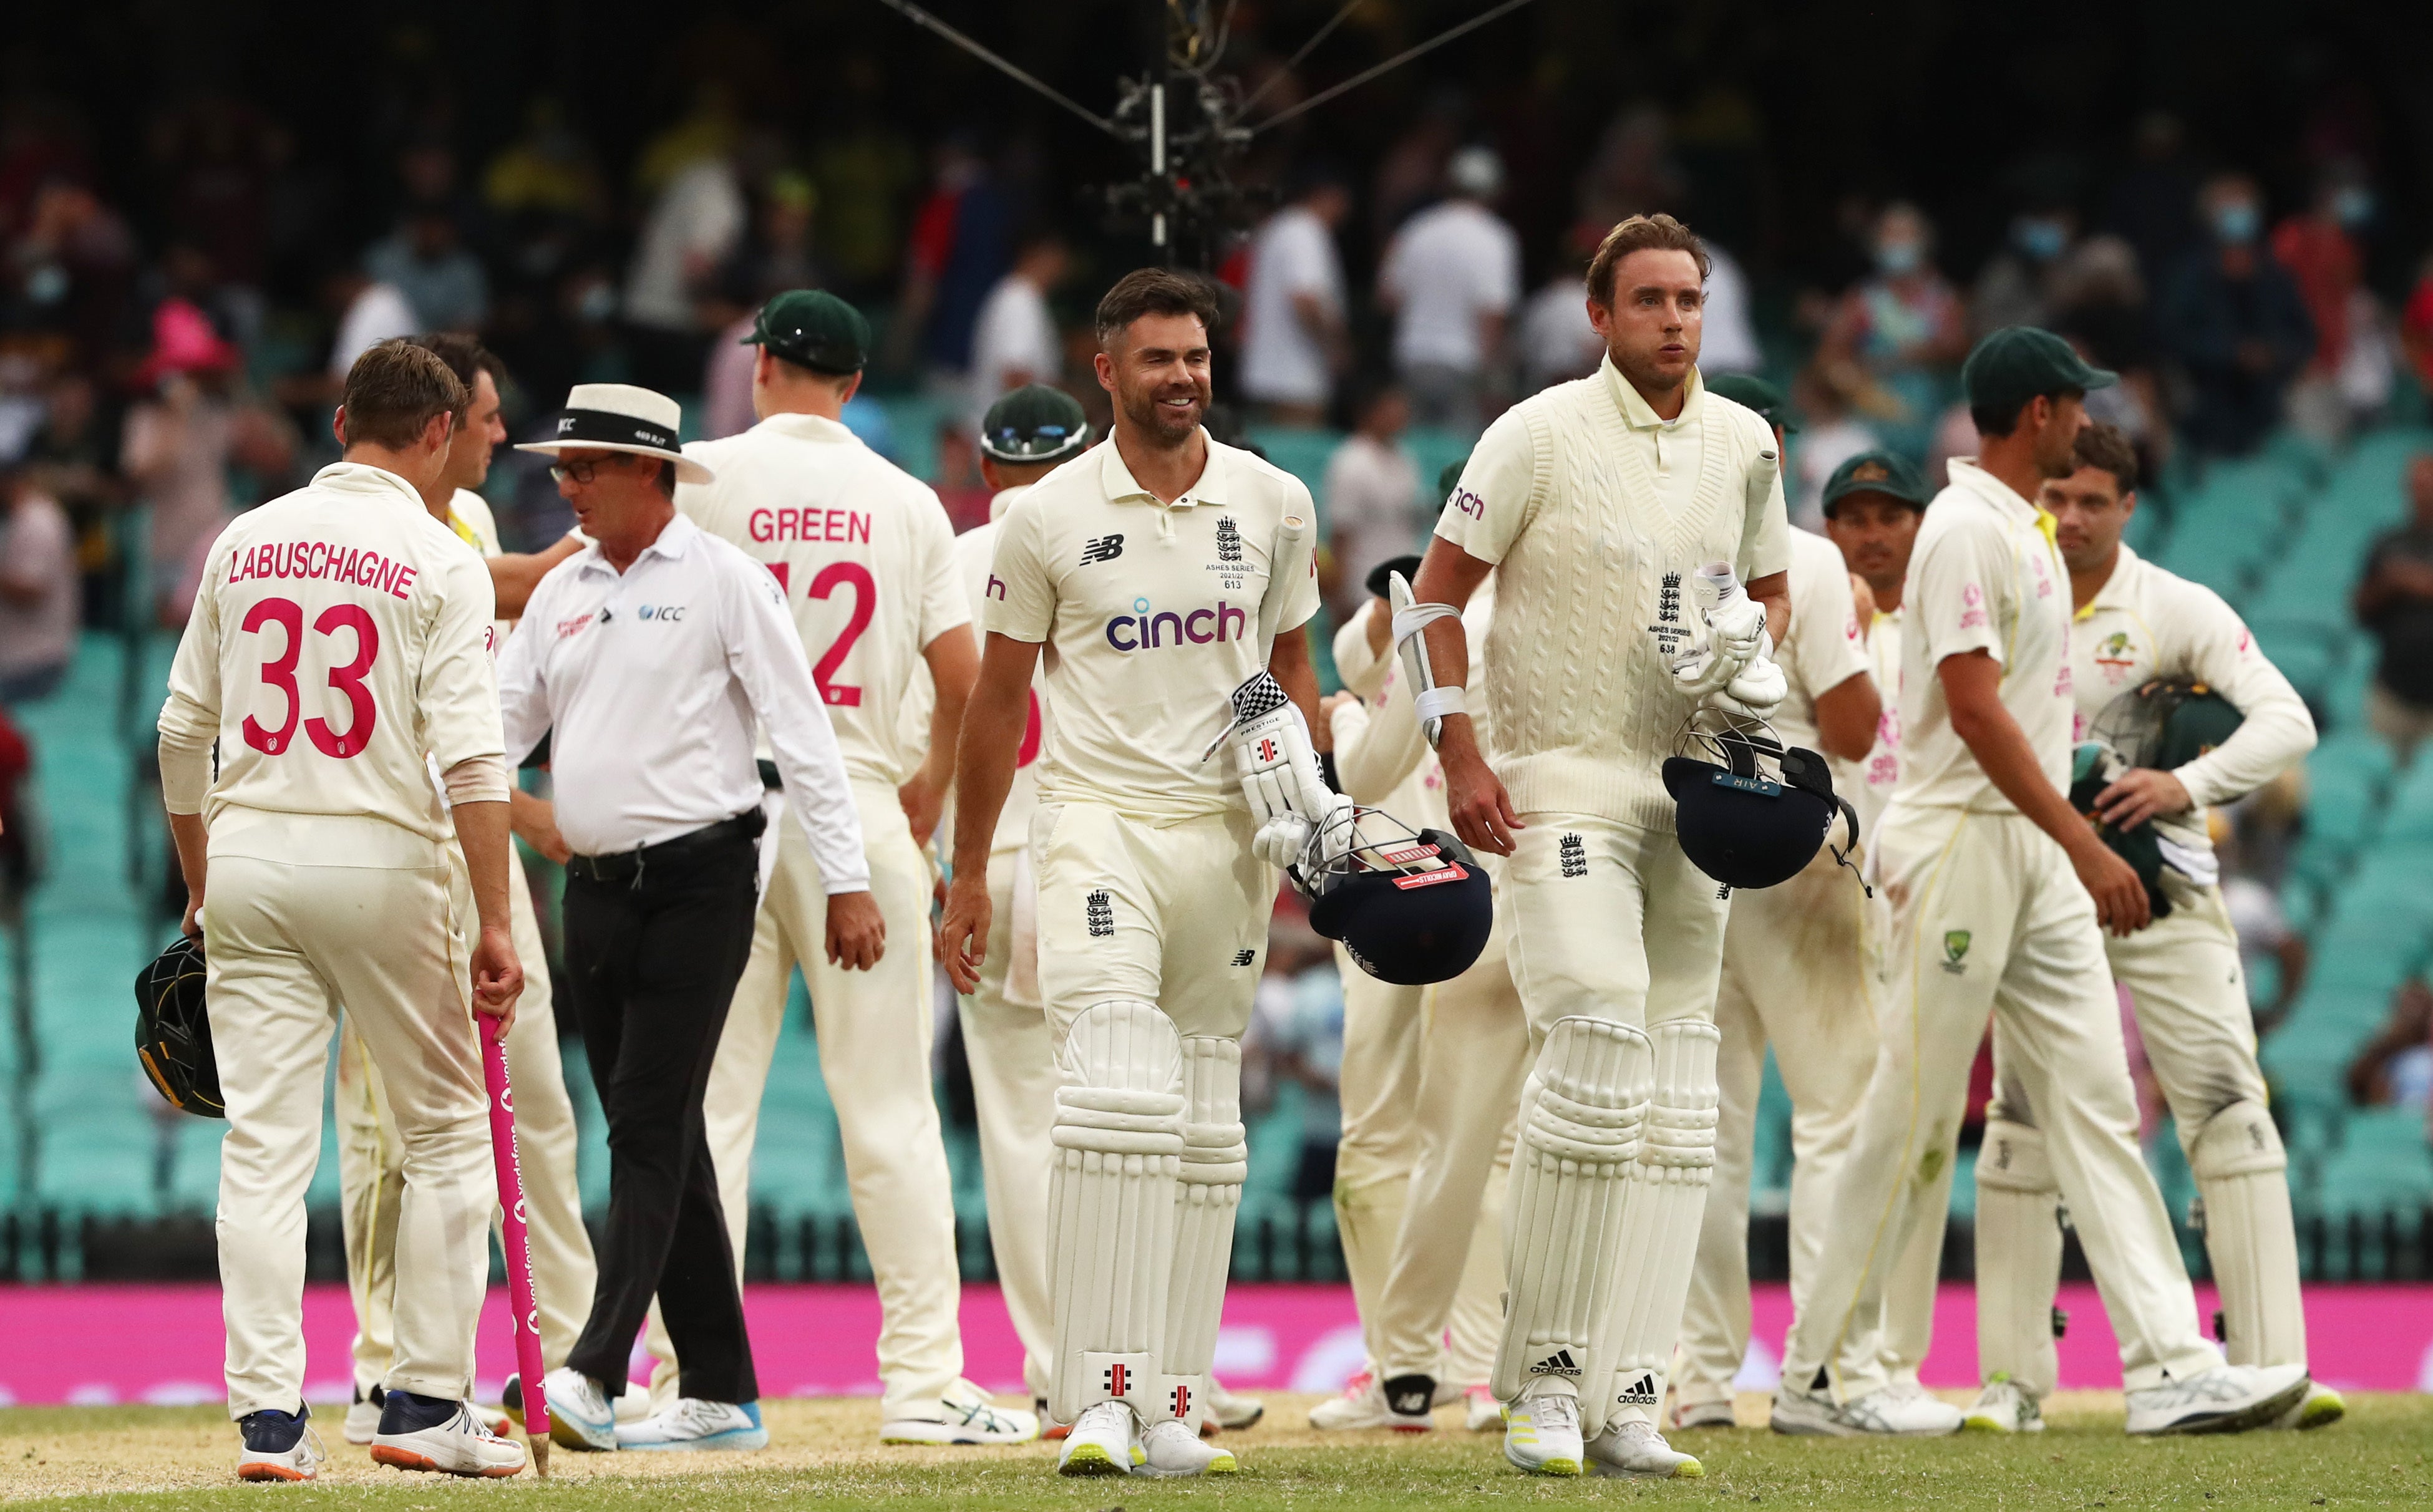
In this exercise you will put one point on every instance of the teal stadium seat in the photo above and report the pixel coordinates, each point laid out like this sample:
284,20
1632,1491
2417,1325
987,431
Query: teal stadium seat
2384,1164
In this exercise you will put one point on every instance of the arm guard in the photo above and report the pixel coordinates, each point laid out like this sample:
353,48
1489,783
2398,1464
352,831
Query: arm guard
1430,702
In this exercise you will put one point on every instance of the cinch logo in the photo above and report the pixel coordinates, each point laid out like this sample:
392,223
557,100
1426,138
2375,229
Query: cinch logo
669,612
1143,631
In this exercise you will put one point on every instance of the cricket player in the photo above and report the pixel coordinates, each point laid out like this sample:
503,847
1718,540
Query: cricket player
1153,570
340,638
1873,503
1431,1081
1799,968
1998,892
1601,505
865,556
371,1171
2134,622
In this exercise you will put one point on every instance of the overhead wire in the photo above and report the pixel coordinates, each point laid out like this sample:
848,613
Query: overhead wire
923,19
1295,61
1396,61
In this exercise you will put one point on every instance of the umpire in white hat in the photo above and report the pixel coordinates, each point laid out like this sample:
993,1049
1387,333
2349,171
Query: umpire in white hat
648,660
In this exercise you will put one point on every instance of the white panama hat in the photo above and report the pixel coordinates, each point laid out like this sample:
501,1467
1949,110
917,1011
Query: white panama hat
620,418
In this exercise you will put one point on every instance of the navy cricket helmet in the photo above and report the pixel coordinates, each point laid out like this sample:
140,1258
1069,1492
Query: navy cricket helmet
1750,811
1411,907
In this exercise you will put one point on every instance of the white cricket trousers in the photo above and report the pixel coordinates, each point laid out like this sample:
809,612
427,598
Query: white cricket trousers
371,1172
287,943
874,1034
1989,917
1013,1057
1446,1269
1612,923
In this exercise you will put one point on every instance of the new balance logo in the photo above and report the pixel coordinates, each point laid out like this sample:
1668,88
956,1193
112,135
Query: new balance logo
1243,957
1183,1402
1559,1362
1411,1395
1119,1378
1574,855
1229,539
1640,1393
1102,549
1101,914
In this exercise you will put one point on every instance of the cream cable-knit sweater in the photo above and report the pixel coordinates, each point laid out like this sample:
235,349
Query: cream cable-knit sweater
1561,494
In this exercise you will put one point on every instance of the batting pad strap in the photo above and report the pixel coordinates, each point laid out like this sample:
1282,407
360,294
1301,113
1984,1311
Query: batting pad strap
2238,1141
2013,1159
1413,617
1214,1155
1681,1110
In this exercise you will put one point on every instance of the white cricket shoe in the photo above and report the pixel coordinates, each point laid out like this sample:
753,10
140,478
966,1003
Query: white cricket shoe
2319,1408
1901,1410
1541,1433
278,1446
1480,1410
1365,1402
694,1425
2228,1398
1171,1450
964,1416
1635,1449
1228,1410
1708,1413
1101,1441
363,1415
579,1416
462,1445
2003,1407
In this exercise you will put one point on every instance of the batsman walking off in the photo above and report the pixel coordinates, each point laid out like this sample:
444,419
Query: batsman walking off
1595,501
1149,570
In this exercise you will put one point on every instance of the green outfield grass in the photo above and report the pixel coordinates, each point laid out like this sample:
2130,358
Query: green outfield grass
822,1457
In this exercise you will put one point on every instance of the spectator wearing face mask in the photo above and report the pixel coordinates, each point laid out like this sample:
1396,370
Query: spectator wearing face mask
1902,330
2349,376
2234,319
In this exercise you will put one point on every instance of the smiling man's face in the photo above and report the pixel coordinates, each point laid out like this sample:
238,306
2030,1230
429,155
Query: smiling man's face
1158,371
1658,315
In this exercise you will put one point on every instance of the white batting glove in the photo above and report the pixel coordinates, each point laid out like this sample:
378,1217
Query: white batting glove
1289,800
1737,626
1758,688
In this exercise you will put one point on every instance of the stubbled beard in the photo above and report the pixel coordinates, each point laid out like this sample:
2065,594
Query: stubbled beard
1150,416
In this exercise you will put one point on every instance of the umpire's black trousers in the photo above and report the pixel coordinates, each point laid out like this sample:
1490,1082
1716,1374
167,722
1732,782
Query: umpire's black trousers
655,942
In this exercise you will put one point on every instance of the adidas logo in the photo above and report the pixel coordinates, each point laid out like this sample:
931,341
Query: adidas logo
1641,1393
1101,914
1559,1362
1574,855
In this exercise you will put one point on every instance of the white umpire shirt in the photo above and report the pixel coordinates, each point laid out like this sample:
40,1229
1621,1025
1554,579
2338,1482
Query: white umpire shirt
648,684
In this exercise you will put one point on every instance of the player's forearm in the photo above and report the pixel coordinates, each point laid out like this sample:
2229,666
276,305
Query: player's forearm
1289,663
1774,591
1847,717
193,850
2275,734
482,830
2001,748
954,667
992,734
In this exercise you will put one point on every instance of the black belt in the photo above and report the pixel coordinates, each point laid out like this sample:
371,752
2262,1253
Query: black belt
622,865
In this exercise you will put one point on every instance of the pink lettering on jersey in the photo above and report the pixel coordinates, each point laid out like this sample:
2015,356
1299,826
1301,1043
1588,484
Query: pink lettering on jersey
326,560
996,588
843,527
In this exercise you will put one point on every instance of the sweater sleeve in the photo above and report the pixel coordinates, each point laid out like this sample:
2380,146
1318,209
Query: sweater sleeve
2275,732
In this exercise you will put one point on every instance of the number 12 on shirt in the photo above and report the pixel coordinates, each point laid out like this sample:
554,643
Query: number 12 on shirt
865,603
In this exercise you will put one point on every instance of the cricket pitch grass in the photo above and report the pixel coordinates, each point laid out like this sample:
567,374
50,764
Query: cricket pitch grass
825,1454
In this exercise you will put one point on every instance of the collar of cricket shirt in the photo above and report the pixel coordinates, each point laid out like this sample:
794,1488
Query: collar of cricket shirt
1640,415
363,477
1208,488
674,541
2117,588
807,427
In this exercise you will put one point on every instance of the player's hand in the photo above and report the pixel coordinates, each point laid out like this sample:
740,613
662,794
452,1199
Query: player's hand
962,934
498,977
923,800
2140,794
2119,897
192,926
535,823
856,935
1483,818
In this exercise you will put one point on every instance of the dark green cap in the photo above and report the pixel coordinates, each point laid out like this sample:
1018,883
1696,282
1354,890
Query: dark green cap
1759,395
812,328
2016,363
1888,473
1034,423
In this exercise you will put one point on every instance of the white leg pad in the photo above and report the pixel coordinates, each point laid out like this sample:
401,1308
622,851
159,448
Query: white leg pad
1118,1150
2242,1173
1583,1110
1216,1160
2018,1258
1666,1205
